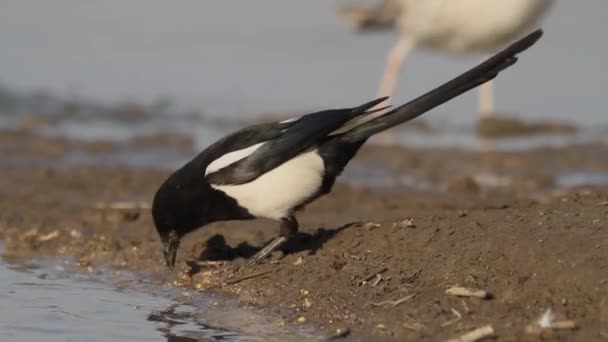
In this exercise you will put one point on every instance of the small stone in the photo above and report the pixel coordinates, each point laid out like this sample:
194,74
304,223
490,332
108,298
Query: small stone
307,304
406,223
299,261
303,292
462,213
302,319
371,225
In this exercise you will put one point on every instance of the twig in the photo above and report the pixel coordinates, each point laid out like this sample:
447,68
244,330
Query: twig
413,326
535,329
452,321
376,280
564,325
373,274
393,303
247,277
466,307
468,292
475,335
121,205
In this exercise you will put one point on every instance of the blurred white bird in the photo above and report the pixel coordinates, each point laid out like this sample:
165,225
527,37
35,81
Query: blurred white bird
448,26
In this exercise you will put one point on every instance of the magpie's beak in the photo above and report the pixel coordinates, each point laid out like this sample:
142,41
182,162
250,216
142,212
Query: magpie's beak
170,245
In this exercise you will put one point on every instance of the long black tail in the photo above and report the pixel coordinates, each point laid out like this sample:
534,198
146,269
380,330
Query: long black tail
482,73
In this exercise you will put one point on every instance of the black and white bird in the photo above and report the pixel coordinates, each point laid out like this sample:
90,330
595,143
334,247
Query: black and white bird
272,170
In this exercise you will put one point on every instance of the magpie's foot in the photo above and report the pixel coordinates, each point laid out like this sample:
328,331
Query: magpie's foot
264,252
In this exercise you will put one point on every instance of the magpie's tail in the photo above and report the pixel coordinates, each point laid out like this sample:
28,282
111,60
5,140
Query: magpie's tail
482,73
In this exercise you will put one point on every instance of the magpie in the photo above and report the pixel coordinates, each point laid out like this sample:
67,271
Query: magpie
272,170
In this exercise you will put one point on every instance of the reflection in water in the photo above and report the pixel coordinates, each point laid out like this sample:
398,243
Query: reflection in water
182,326
49,303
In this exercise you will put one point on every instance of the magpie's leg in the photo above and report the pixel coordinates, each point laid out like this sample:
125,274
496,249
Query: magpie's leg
289,228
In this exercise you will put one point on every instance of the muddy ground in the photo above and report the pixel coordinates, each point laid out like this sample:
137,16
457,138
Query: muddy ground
377,262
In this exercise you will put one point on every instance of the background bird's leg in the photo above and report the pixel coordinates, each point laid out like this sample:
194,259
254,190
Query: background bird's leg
486,99
289,228
394,62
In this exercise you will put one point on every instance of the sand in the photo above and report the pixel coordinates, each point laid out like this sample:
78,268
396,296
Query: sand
374,262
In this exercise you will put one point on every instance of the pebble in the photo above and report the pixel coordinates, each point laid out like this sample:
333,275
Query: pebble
299,261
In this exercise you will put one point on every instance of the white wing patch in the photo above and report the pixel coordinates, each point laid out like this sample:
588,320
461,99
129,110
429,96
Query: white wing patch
231,157
274,194
289,120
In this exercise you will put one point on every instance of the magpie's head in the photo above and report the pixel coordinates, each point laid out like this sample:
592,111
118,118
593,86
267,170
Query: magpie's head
178,209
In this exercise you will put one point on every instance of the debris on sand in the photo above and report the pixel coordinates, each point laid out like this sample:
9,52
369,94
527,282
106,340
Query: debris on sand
546,319
298,261
371,225
468,292
546,324
50,236
457,318
393,303
475,335
247,277
407,223
373,275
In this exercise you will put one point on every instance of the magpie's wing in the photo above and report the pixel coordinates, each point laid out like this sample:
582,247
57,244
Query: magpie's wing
268,146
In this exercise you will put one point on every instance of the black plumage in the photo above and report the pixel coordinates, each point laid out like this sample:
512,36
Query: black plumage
236,177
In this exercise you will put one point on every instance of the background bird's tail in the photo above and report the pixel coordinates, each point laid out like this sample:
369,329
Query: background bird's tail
461,84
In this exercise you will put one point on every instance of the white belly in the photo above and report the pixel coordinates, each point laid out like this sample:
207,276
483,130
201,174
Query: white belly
469,25
275,193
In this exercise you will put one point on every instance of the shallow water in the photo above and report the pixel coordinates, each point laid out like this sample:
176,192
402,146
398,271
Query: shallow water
244,58
48,302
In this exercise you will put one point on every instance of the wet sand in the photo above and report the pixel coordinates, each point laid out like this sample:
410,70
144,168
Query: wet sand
375,261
